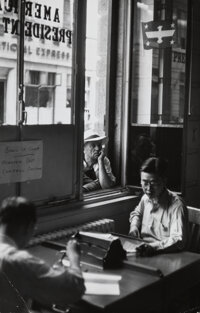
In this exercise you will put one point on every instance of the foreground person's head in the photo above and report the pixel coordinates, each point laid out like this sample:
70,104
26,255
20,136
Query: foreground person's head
17,219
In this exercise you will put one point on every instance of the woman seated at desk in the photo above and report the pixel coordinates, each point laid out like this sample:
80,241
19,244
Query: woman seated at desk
160,218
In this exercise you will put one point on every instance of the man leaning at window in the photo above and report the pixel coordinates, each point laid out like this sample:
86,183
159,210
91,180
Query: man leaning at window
97,172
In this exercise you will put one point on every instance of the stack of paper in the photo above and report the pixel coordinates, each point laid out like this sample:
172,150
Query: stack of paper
101,284
130,246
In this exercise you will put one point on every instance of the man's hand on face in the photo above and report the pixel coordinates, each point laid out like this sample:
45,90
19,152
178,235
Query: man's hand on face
145,250
101,155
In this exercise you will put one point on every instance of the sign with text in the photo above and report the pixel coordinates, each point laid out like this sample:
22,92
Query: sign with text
43,21
20,161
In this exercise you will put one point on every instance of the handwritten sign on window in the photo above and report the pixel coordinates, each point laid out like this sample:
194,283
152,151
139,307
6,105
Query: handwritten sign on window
20,161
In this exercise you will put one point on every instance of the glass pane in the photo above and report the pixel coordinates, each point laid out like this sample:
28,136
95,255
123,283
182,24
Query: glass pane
158,85
96,107
48,61
9,31
96,65
159,62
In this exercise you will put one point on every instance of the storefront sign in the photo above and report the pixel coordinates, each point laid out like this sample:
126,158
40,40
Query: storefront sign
20,161
49,29
36,51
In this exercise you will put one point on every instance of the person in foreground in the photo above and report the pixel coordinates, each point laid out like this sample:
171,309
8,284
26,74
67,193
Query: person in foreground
31,276
96,166
160,218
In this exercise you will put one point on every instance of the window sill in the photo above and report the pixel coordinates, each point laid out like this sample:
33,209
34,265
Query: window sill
88,198
107,194
116,206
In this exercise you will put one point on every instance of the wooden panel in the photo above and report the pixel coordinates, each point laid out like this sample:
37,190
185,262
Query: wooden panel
8,133
194,228
58,162
73,214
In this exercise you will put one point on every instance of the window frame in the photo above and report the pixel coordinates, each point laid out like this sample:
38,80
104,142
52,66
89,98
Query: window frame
78,90
120,16
134,187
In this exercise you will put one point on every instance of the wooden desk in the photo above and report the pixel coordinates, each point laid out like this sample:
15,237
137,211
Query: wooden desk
139,291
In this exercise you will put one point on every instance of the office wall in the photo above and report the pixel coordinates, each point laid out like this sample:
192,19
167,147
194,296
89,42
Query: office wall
8,133
73,214
56,173
57,179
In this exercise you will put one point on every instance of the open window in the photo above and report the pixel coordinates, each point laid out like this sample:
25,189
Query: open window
96,116
104,61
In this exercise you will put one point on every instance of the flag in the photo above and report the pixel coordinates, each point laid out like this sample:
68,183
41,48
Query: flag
158,34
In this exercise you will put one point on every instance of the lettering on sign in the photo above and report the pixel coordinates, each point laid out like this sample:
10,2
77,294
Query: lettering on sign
179,57
35,12
20,161
45,53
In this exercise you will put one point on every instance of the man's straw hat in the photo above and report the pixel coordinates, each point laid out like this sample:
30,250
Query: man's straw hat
90,136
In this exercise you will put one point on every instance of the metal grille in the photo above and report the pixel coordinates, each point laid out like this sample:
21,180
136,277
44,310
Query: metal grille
103,225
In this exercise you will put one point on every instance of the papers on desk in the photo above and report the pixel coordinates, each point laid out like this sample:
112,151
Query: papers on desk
130,246
103,236
101,284
98,283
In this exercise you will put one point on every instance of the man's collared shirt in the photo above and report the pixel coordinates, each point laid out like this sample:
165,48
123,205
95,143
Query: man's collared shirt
163,224
35,279
95,167
91,175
